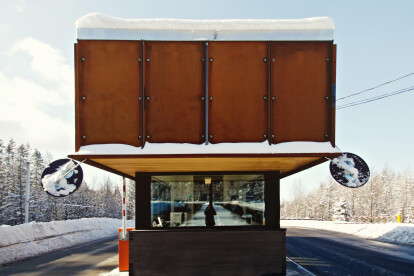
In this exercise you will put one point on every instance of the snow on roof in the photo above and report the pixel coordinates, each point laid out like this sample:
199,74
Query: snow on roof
97,26
222,148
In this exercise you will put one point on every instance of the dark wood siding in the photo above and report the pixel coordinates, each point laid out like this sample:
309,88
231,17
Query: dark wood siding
207,252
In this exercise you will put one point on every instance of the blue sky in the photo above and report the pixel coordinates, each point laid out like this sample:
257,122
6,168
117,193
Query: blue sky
375,42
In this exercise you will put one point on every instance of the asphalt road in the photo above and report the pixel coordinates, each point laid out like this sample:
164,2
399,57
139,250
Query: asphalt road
87,259
331,253
320,252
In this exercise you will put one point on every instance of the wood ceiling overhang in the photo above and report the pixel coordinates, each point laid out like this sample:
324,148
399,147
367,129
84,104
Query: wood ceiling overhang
128,165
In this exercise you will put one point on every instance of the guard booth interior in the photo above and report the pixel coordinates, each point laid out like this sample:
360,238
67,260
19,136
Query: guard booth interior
206,120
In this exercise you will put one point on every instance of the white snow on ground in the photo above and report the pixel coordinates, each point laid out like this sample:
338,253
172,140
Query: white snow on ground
400,233
98,26
221,148
34,239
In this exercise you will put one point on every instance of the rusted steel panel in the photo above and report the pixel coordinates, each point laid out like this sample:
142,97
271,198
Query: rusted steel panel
174,83
301,81
333,95
109,88
78,137
238,85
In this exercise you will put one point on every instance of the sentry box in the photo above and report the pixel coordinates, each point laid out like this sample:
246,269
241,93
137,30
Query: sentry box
206,116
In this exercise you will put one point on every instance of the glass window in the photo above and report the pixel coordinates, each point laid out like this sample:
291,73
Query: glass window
207,200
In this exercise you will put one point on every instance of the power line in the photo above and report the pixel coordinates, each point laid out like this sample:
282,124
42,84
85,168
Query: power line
379,97
375,87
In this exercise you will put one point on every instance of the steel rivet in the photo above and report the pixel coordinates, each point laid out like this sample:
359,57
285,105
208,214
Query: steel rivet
273,98
139,137
148,98
84,137
328,59
140,98
202,98
211,136
139,60
265,60
211,60
326,136
273,59
83,98
211,98
202,60
273,136
148,136
147,59
265,136
326,98
265,98
83,58
202,136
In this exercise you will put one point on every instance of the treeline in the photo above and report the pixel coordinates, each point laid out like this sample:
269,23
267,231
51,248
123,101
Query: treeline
90,200
386,194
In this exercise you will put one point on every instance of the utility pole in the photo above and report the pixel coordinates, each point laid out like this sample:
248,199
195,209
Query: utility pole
26,203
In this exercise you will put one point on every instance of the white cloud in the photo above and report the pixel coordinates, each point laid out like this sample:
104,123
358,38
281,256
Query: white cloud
25,99
48,62
20,5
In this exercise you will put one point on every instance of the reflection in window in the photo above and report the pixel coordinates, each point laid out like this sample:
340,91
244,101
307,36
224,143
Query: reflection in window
181,200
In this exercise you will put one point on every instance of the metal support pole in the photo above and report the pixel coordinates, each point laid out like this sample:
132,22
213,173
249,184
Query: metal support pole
124,233
26,203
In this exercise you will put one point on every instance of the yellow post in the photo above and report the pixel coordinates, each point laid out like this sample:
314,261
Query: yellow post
399,218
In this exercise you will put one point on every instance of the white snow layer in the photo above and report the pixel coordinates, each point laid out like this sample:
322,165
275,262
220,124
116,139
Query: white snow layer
98,26
34,239
400,233
222,148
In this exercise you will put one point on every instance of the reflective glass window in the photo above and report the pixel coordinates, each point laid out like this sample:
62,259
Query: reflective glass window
207,200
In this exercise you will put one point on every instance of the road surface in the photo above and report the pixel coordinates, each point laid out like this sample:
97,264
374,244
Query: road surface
92,258
332,253
320,252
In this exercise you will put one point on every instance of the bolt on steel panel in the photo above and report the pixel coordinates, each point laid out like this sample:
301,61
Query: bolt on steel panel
238,91
109,90
174,85
301,76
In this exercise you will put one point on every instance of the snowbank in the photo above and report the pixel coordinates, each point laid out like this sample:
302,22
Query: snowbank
401,233
98,26
33,239
221,148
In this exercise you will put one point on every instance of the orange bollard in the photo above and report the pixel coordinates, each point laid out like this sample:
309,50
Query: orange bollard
123,251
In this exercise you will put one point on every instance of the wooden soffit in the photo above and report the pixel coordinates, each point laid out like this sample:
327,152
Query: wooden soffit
128,165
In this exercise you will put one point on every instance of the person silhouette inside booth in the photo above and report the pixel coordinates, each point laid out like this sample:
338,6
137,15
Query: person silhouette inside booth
210,213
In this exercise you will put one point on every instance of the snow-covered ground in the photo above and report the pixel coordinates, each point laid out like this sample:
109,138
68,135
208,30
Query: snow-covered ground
34,239
401,233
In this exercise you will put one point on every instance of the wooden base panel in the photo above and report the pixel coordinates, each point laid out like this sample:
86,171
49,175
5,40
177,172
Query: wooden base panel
208,252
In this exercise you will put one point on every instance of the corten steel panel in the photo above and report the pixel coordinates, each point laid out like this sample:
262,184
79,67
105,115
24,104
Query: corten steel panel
333,95
110,80
238,83
78,137
174,83
301,81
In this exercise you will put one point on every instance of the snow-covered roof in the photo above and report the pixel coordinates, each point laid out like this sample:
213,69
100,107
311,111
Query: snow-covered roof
97,26
222,148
